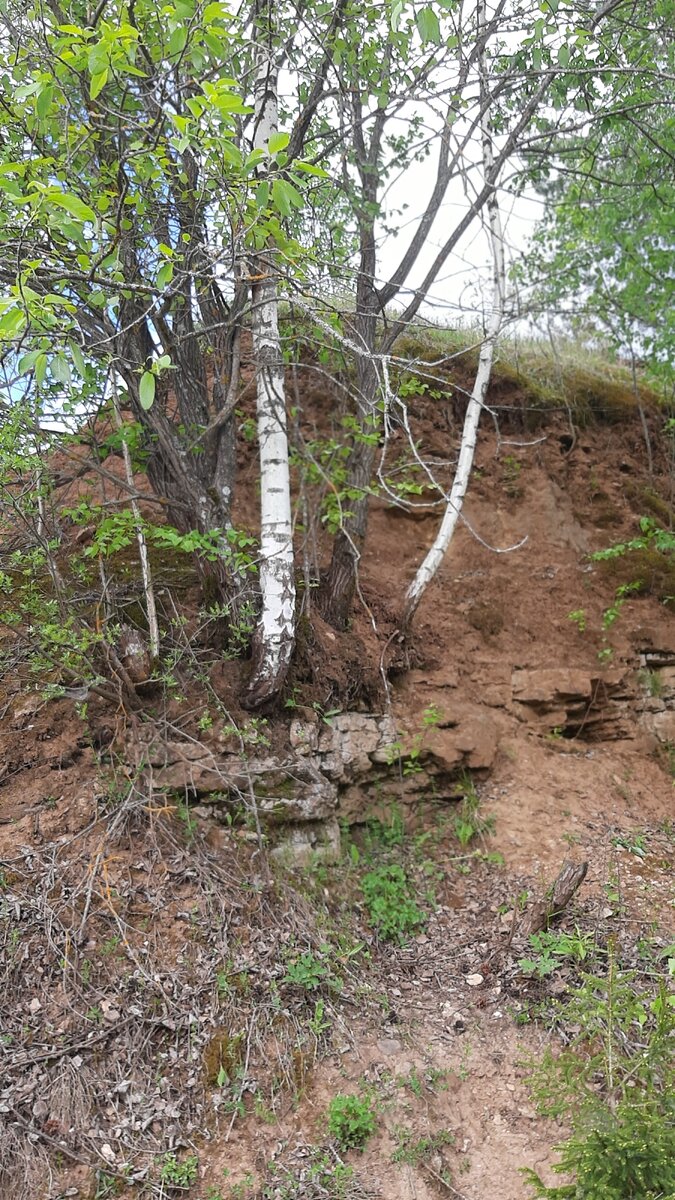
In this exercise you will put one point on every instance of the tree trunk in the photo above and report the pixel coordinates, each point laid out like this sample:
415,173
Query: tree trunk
146,572
340,585
274,637
438,550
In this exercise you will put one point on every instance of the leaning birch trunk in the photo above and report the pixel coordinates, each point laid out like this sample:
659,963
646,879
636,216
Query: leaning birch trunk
438,550
274,637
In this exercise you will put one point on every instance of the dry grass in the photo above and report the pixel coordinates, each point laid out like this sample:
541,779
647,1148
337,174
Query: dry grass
24,1165
155,968
572,379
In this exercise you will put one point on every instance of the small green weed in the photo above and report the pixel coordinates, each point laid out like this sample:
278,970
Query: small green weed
412,1081
187,820
634,843
107,1186
391,908
310,971
652,682
319,1023
177,1173
552,948
578,618
468,822
386,834
511,471
414,1152
351,1121
244,1189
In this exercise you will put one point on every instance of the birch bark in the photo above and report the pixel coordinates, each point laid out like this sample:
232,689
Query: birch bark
274,637
439,547
146,572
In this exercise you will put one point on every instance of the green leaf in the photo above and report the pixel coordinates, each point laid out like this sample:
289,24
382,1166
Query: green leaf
429,26
396,10
44,102
27,361
98,59
564,55
277,142
12,322
310,169
60,369
216,45
213,11
285,197
177,41
231,154
164,275
78,359
147,390
253,159
72,204
41,368
98,82
262,195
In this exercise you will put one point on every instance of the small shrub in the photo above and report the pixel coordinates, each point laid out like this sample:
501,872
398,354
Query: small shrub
649,559
351,1121
631,1156
389,900
615,1085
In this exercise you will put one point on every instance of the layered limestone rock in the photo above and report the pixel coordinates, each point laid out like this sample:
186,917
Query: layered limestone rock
336,766
286,789
582,704
339,767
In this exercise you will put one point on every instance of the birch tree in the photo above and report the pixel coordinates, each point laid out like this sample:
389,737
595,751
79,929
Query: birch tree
527,70
452,69
436,553
275,634
172,171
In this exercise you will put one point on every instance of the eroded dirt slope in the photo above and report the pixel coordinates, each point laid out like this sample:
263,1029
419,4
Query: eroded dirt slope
145,951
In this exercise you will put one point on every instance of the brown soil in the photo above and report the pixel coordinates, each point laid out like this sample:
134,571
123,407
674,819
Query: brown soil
158,915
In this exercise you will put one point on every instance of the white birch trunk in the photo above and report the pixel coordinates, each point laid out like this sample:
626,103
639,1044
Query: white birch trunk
439,548
146,573
274,638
